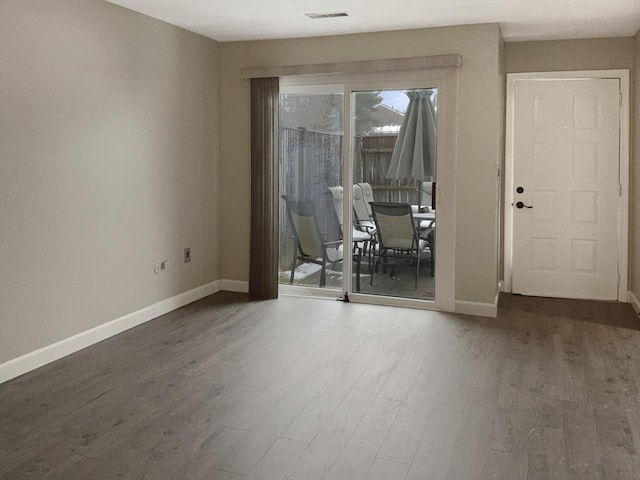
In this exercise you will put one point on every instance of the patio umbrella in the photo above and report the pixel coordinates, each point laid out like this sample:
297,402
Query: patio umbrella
414,154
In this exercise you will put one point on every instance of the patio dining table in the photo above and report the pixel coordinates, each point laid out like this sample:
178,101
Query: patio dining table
424,216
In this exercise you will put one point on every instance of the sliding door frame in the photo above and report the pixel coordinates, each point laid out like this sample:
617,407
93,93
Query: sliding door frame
445,81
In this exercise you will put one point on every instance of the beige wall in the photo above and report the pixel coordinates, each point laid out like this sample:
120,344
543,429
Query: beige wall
479,145
108,165
591,54
635,174
564,55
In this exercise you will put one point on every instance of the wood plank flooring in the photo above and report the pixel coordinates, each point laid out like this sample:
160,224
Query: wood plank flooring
230,389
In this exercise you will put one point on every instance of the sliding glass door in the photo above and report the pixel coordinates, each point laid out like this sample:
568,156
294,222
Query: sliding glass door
394,138
311,159
361,176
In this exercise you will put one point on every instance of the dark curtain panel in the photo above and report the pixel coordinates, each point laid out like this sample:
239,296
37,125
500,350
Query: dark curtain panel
263,274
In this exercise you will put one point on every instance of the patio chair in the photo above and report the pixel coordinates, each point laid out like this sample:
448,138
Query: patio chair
311,244
362,196
426,195
363,236
397,235
359,233
425,206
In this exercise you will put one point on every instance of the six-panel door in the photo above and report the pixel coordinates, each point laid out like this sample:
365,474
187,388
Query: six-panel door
566,163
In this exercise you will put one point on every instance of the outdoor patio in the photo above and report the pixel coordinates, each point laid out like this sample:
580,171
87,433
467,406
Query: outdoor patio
402,284
310,179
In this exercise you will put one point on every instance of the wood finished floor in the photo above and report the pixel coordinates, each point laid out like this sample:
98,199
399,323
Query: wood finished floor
229,389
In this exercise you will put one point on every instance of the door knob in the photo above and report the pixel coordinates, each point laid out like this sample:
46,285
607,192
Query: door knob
522,205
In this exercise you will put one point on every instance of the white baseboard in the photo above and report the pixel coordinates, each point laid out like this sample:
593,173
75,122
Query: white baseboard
478,308
633,300
30,361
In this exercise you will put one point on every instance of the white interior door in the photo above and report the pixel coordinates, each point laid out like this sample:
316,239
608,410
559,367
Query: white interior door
566,188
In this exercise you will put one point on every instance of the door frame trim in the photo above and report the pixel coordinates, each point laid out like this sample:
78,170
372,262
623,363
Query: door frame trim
623,200
446,80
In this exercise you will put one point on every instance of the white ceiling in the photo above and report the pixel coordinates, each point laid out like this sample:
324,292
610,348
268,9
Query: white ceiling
233,20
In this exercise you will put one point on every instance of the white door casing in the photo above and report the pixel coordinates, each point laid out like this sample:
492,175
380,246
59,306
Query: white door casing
566,157
446,81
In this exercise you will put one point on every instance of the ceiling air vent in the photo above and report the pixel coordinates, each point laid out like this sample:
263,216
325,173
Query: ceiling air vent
315,16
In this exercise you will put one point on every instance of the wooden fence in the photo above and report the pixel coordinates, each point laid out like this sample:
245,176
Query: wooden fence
373,158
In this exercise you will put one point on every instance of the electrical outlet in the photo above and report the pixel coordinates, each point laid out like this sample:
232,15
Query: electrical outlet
157,268
187,255
164,265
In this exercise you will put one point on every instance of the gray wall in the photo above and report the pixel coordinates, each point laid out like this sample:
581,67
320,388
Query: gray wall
479,142
108,165
592,54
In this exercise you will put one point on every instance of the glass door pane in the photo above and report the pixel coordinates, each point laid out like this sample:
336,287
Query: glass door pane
311,143
394,161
